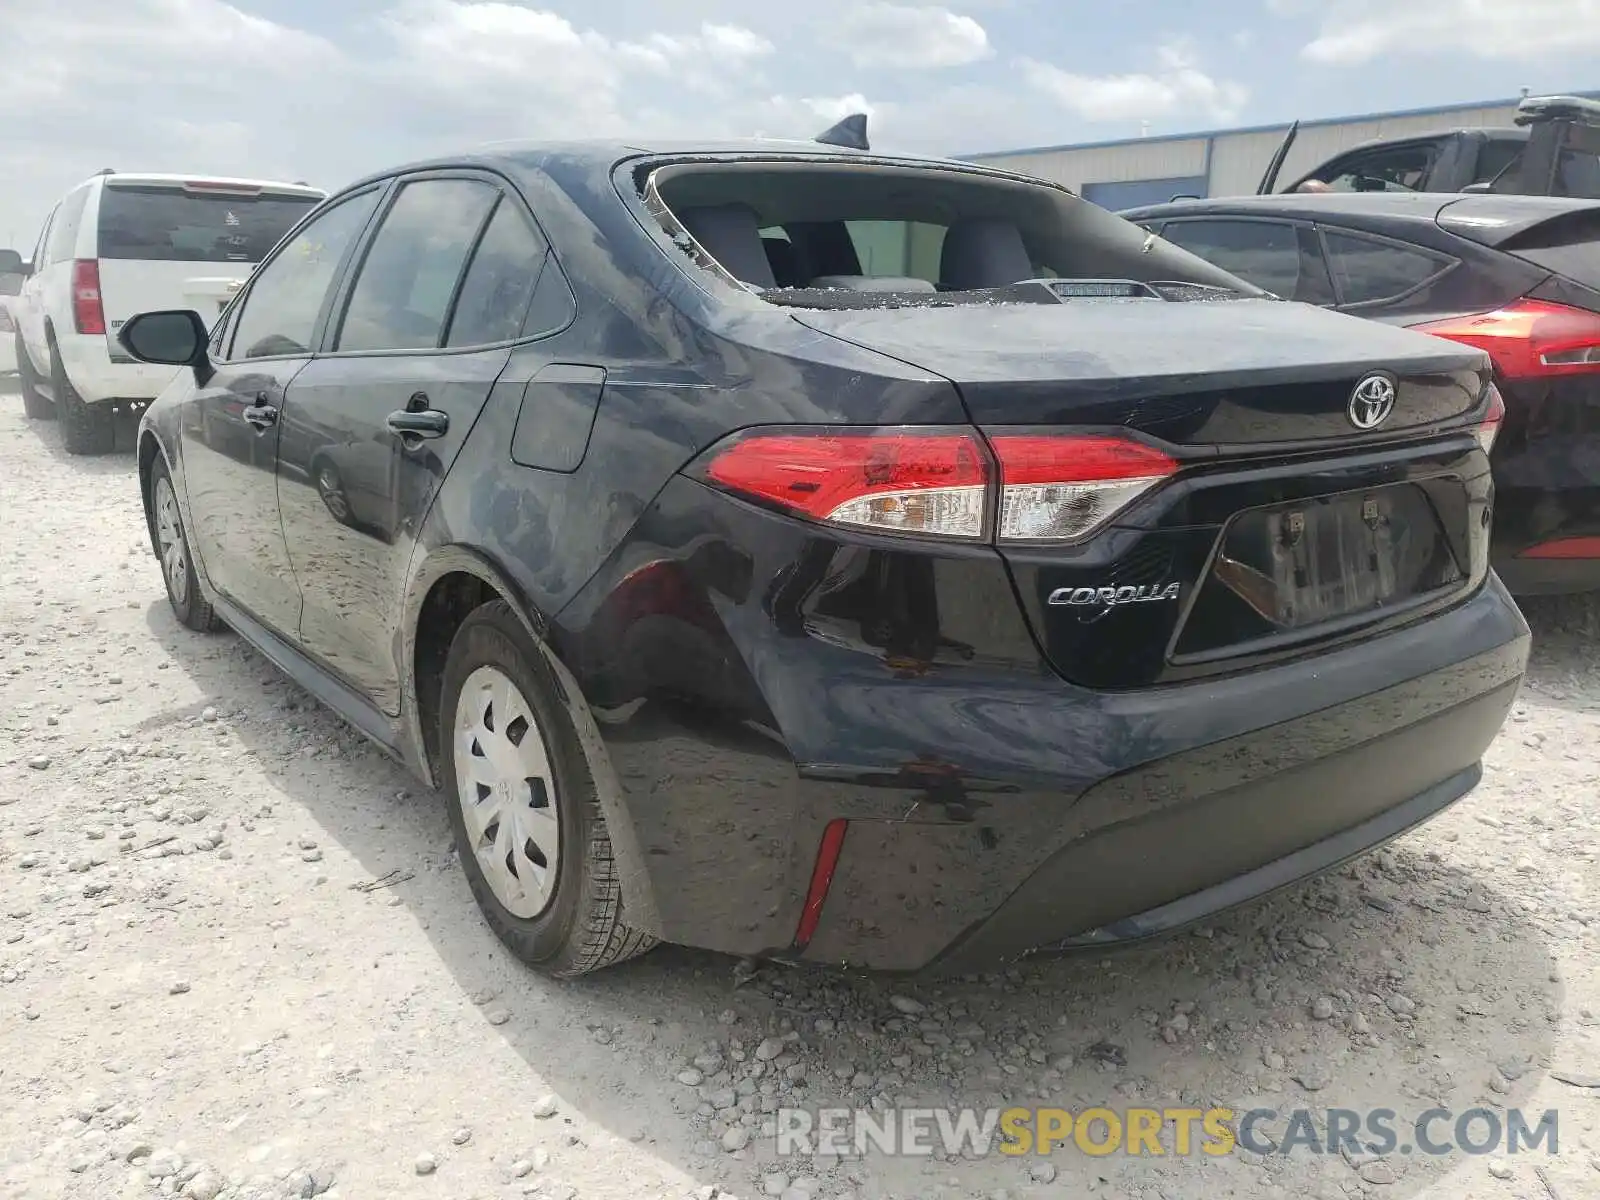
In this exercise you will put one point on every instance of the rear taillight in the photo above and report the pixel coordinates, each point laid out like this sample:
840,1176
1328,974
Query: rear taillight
1565,548
88,315
1529,339
1489,428
1062,488
5,321
943,482
898,480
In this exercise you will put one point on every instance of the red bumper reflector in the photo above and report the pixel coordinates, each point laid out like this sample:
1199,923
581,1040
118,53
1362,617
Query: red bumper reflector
821,880
1577,547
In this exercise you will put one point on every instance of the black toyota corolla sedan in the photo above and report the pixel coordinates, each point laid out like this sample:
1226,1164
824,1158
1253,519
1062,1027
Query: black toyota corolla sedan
819,554
1518,276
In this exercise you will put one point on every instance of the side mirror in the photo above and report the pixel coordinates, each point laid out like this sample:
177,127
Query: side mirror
170,338
11,263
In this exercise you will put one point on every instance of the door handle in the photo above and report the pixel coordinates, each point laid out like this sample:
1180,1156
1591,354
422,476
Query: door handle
426,423
261,415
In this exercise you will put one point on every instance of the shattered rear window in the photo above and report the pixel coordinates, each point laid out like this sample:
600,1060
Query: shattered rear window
861,235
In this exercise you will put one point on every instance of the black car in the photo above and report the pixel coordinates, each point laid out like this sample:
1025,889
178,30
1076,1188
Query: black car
1518,276
799,551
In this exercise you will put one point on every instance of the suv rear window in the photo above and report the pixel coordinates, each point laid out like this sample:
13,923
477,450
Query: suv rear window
904,234
170,224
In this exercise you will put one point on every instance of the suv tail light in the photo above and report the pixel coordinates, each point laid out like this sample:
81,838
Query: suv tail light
88,315
941,481
1529,339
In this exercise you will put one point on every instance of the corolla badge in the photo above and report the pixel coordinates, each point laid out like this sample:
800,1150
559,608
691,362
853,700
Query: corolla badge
1106,598
1372,401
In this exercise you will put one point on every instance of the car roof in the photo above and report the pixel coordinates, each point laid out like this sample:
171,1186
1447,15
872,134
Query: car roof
143,177
516,156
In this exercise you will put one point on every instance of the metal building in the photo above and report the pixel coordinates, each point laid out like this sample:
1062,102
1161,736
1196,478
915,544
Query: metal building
1152,170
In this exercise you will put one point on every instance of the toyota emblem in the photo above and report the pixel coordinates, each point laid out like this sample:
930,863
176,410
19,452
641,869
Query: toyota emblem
1372,401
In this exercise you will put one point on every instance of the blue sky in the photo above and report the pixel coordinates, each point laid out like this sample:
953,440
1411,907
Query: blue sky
327,89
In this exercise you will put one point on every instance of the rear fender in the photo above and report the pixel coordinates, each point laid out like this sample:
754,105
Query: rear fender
433,566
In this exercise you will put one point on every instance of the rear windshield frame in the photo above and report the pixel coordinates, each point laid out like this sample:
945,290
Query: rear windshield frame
291,205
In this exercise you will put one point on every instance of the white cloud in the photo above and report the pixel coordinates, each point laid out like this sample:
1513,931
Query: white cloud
1358,31
896,35
1177,86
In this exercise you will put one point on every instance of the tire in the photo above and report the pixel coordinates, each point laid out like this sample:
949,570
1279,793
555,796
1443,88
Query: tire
189,605
571,924
35,403
85,428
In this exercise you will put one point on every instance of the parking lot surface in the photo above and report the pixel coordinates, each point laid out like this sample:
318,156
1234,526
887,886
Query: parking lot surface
238,959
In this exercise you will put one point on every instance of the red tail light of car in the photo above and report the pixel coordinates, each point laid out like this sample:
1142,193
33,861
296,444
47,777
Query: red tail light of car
895,480
1062,488
1529,339
88,315
943,482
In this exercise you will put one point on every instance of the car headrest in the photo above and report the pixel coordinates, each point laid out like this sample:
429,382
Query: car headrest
983,252
731,234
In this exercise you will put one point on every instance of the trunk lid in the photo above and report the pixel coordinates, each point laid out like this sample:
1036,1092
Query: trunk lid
1220,374
1283,527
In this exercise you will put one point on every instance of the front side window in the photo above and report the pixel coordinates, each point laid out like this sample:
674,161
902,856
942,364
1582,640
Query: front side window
1391,169
402,295
279,315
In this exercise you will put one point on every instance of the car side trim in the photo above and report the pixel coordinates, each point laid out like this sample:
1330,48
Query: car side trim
345,703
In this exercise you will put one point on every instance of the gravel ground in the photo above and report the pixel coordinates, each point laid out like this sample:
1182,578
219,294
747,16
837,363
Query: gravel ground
238,959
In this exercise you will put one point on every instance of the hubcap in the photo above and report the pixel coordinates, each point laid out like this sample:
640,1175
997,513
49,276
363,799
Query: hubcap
507,792
169,534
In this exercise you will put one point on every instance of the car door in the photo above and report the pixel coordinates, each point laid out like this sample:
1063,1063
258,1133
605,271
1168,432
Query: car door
373,425
230,428
28,308
1280,256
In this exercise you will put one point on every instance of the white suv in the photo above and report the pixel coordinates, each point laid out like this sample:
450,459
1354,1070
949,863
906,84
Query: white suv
117,245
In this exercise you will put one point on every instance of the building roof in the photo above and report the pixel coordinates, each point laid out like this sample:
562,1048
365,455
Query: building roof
1443,110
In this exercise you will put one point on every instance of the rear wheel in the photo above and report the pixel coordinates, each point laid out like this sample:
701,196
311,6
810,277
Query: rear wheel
527,819
172,547
85,428
35,403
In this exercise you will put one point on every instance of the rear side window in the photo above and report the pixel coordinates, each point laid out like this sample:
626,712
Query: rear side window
402,295
505,270
64,233
1265,253
1367,271
172,224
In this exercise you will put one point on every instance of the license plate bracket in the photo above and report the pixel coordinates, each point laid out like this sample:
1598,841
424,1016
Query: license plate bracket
1289,568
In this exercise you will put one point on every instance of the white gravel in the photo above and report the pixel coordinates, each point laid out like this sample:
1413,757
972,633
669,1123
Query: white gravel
238,960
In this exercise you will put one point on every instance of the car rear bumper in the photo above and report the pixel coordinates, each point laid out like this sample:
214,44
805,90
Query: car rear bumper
992,808
97,378
1549,576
